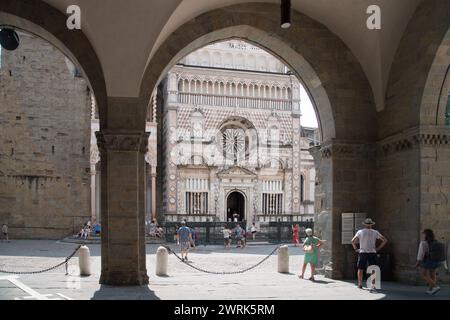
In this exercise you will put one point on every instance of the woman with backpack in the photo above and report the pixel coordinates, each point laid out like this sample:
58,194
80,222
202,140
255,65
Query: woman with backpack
430,256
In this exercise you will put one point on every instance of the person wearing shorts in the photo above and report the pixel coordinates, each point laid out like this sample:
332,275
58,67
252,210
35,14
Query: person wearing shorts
367,252
253,230
226,237
427,265
185,239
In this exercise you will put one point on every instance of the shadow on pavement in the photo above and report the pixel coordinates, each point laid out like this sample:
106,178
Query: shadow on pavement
124,293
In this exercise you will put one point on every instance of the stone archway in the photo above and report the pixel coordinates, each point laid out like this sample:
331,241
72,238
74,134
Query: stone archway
335,83
48,23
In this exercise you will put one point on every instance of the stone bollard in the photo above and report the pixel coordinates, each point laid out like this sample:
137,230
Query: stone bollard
84,261
283,259
162,259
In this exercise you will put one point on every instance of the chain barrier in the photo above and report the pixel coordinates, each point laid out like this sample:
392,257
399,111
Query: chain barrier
66,262
222,272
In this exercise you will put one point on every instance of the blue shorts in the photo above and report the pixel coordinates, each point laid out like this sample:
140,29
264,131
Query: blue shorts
430,265
365,260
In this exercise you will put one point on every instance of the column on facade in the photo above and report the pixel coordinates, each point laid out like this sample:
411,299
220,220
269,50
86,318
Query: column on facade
123,208
153,183
94,159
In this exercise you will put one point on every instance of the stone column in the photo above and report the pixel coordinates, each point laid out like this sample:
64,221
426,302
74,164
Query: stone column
345,182
94,159
93,193
153,194
123,208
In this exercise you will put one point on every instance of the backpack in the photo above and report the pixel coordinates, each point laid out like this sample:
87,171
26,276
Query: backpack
437,251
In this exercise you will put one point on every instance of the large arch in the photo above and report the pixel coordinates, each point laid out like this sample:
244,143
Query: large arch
414,143
335,81
41,19
419,71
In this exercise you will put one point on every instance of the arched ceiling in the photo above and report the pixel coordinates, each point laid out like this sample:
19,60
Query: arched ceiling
125,34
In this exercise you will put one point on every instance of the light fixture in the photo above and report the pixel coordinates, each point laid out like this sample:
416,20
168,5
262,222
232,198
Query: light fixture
9,40
285,14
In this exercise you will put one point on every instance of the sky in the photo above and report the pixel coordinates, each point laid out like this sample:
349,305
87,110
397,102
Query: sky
309,118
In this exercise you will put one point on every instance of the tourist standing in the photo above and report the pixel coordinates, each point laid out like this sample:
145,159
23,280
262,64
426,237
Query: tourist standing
226,237
244,237
194,237
253,230
367,252
295,234
238,235
185,239
311,248
5,232
430,256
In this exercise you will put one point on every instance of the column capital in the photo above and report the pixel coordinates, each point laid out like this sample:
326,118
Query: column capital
122,141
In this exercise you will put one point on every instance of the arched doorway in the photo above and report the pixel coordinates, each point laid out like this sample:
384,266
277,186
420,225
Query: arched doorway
235,206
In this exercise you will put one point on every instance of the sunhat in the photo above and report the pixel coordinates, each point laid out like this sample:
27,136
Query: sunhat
368,222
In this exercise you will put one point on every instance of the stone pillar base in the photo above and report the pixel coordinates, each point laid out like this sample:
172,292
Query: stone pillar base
124,278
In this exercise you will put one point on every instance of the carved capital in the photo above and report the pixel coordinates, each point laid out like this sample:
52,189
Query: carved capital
95,155
123,141
343,149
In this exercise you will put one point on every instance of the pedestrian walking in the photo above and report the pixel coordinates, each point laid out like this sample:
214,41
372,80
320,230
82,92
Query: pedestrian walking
295,235
5,232
311,248
185,239
367,252
430,256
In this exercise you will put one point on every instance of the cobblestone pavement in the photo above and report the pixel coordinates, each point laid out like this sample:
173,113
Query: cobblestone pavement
183,282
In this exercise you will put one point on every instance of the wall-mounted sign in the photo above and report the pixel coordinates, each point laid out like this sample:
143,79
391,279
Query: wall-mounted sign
351,223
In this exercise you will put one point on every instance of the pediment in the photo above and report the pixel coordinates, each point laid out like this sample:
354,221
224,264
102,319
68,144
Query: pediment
236,171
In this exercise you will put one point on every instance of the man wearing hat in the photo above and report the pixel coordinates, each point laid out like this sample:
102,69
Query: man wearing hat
367,252
185,239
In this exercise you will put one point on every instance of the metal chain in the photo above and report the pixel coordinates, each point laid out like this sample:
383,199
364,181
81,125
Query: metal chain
222,272
66,261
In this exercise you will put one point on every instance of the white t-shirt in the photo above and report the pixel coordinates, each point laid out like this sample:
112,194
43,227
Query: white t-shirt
367,240
5,229
253,229
226,233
